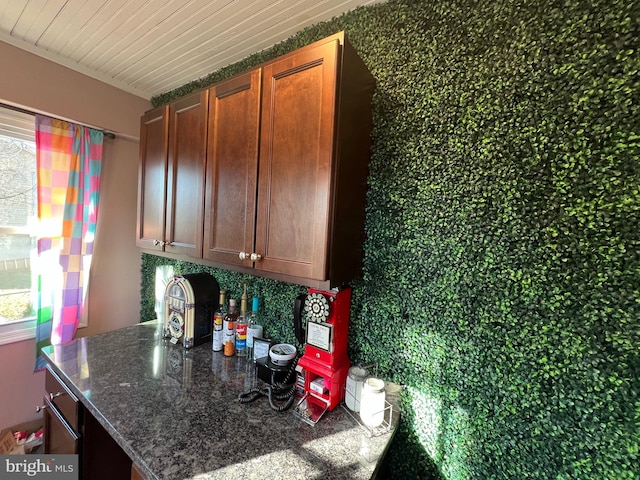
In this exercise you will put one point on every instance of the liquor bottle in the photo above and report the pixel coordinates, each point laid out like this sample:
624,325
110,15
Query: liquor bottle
229,329
255,328
218,321
241,326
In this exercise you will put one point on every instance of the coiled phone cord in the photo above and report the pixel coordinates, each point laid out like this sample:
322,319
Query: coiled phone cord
277,391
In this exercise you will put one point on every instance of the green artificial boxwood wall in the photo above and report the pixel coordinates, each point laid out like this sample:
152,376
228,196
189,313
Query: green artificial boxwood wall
502,273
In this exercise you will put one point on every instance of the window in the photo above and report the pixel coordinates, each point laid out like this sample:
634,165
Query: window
18,214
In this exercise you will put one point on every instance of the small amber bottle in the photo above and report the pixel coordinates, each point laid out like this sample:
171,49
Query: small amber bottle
229,328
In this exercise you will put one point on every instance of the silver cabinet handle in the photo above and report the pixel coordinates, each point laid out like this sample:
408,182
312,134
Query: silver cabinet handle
156,242
51,396
244,256
255,257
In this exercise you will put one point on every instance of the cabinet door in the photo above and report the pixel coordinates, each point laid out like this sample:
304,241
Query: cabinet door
232,168
186,173
152,176
59,437
296,162
102,458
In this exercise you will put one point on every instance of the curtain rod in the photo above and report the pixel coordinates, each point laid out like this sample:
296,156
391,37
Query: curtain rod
110,135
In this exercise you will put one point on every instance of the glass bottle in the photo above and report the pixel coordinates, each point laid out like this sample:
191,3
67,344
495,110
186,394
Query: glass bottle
229,329
241,328
254,329
218,322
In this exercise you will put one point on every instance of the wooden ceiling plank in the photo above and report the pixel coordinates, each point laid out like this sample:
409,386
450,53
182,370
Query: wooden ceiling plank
86,35
154,41
194,61
178,45
46,15
147,47
155,26
194,66
133,33
103,30
10,12
29,15
71,23
200,40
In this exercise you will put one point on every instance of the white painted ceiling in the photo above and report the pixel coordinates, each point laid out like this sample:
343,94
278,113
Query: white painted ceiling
148,47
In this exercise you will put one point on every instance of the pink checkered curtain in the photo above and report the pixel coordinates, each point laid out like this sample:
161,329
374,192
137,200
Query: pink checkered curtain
69,160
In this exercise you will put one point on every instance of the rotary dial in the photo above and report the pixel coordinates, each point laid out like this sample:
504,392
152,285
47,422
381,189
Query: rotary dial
316,307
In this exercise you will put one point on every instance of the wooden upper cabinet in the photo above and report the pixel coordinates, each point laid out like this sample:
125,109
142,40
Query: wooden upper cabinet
296,162
314,161
232,168
171,176
186,174
285,178
152,178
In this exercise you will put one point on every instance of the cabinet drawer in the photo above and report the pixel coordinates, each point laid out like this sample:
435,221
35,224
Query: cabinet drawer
59,438
60,396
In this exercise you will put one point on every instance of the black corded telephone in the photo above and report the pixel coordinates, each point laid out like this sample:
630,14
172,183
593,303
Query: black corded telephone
282,391
276,391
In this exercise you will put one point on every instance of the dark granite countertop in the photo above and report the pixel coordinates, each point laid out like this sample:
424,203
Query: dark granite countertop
176,414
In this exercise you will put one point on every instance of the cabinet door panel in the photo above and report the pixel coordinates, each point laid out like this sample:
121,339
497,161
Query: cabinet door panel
154,128
185,184
232,168
102,458
296,153
59,438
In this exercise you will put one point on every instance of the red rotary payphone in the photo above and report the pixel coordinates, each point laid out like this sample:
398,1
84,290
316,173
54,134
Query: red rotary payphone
323,369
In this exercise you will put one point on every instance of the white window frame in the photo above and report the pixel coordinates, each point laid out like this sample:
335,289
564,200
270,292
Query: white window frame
17,331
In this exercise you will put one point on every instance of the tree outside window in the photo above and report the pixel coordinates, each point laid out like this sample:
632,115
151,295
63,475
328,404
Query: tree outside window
18,213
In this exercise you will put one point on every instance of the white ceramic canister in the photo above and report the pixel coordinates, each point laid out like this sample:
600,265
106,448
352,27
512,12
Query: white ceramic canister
355,380
372,402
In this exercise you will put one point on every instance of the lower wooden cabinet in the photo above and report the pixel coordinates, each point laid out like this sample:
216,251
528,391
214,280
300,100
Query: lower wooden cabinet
69,428
59,437
62,417
101,457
